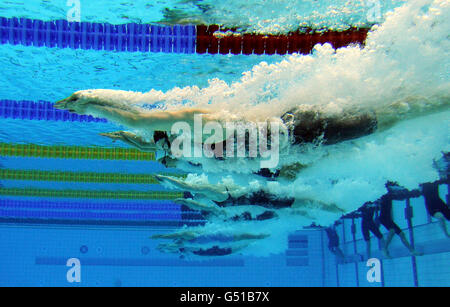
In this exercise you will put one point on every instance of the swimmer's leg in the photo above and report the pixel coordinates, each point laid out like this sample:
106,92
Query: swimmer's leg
408,245
389,238
340,254
368,249
195,205
442,222
154,120
383,246
308,203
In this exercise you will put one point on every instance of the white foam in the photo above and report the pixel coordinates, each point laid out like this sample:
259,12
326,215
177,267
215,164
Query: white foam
405,63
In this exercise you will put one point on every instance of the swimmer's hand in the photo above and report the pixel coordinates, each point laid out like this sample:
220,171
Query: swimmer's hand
164,179
174,181
114,136
160,178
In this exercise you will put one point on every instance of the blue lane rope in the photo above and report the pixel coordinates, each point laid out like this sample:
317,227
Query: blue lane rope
99,206
42,110
130,37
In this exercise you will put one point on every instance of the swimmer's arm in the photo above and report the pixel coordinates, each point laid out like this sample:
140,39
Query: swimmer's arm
152,120
195,205
308,203
187,235
207,189
141,145
138,142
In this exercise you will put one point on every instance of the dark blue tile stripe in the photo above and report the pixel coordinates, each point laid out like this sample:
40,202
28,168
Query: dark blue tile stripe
99,206
173,262
87,215
41,221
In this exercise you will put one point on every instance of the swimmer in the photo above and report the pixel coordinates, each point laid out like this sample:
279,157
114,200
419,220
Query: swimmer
306,124
435,206
160,140
395,192
198,237
226,196
212,251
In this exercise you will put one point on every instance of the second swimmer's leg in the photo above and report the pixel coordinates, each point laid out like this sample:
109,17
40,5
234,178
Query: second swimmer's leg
442,222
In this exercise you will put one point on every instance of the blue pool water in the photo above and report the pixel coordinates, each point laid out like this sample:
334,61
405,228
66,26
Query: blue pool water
402,75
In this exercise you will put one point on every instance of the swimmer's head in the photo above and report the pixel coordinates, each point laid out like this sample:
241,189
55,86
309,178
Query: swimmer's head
79,101
168,162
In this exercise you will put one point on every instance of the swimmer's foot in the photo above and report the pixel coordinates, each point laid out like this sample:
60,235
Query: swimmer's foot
416,253
386,254
341,260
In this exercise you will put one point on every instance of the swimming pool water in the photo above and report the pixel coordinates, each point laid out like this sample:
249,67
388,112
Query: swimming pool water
111,236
